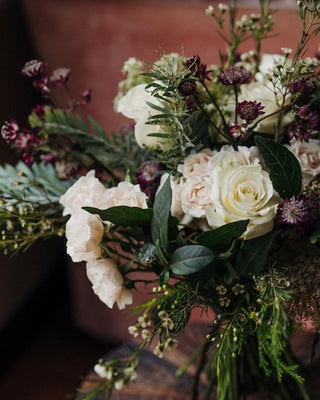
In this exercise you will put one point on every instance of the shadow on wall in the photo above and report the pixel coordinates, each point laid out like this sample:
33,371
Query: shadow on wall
22,276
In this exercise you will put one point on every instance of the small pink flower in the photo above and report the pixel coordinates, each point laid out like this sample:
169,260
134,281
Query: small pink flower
41,85
60,76
9,131
237,131
85,97
33,68
28,159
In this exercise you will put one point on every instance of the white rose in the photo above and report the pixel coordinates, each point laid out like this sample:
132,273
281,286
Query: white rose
134,103
107,283
197,164
196,195
86,191
244,155
243,192
142,130
308,154
84,233
125,194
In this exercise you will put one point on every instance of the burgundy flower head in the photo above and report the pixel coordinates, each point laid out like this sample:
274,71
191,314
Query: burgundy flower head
298,131
306,87
9,131
148,177
237,131
60,76
249,110
195,65
28,159
234,76
187,87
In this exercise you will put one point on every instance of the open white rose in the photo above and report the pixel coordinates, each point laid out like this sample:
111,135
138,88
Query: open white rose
107,283
244,155
308,154
243,192
197,164
84,233
86,191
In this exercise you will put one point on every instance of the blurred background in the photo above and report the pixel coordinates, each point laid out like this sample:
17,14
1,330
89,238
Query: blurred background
52,327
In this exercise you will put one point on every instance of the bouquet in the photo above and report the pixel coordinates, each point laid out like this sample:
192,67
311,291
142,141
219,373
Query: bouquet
208,199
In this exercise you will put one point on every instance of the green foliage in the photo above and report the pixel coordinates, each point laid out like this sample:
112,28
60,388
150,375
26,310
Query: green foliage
187,260
285,171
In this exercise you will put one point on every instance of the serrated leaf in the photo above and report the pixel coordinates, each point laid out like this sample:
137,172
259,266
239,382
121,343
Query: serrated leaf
220,239
161,213
285,171
124,215
190,259
253,255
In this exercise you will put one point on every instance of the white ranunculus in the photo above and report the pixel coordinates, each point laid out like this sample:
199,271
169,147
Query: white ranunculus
107,283
125,194
84,233
196,195
308,154
243,192
86,191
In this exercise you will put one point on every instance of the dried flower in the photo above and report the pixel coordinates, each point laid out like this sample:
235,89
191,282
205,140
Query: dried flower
234,76
305,86
60,76
33,68
292,211
9,131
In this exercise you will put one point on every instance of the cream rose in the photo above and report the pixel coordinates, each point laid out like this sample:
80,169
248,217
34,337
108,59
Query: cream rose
84,233
107,283
243,192
87,191
244,155
125,194
308,154
196,195
197,164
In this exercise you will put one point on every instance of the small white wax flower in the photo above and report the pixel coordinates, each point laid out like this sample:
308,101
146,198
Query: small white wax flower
286,50
102,371
210,10
133,330
119,384
223,8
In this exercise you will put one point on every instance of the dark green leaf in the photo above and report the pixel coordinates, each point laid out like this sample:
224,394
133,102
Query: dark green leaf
189,259
97,128
220,239
285,171
161,212
164,278
124,215
253,255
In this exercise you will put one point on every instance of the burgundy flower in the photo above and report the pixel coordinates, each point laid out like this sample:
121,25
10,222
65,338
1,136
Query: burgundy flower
304,112
237,130
234,76
28,159
85,97
187,87
314,121
9,131
39,111
60,76
293,211
306,87
249,110
148,177
42,85
27,140
195,65
33,68
298,131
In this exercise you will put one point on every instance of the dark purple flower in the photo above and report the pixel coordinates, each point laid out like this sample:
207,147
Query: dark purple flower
9,131
187,87
28,159
33,68
306,87
237,130
314,121
298,131
249,110
234,76
39,111
27,140
60,76
293,211
195,65
85,97
304,112
148,177
42,85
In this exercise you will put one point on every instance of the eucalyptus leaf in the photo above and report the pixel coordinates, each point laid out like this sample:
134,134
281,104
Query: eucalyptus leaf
124,215
285,171
190,259
253,255
161,213
220,239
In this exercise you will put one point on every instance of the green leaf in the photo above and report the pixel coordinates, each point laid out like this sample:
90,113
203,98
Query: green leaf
220,239
285,171
253,255
189,259
97,128
161,213
124,215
